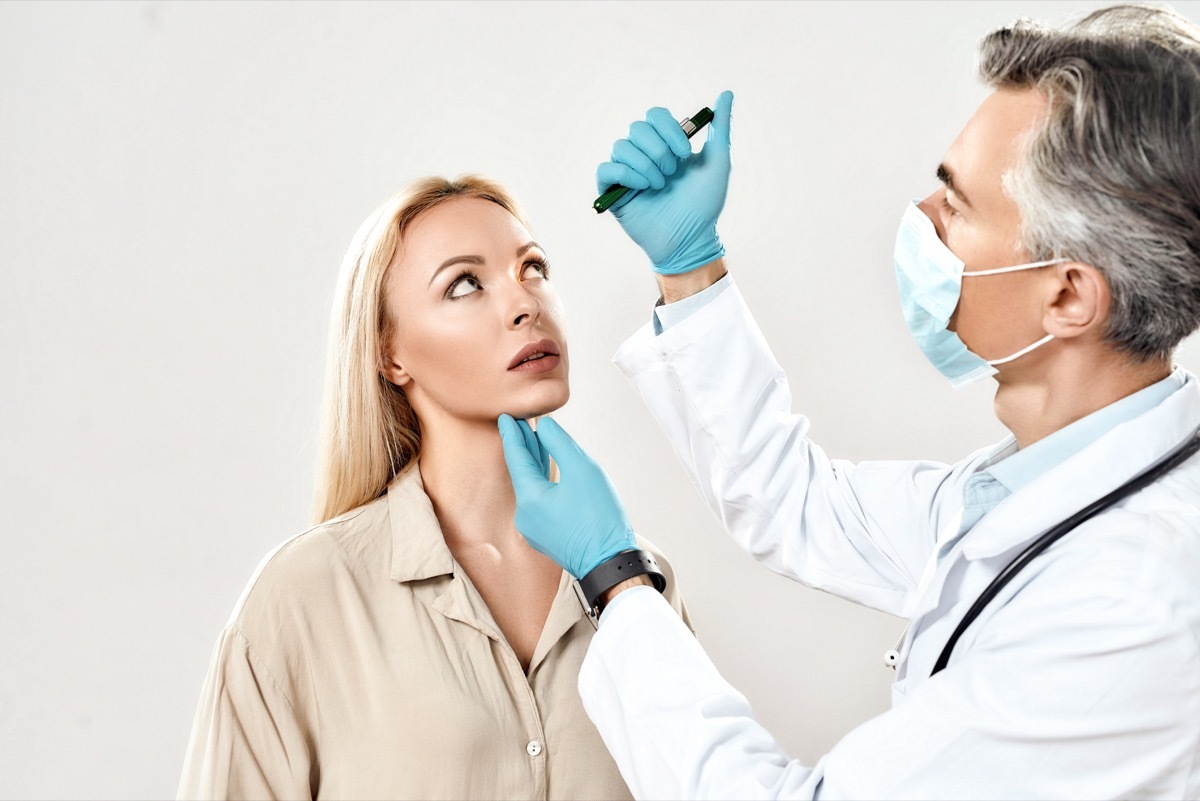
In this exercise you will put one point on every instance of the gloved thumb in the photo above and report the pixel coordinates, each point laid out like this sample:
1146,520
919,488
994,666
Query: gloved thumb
559,444
523,466
718,131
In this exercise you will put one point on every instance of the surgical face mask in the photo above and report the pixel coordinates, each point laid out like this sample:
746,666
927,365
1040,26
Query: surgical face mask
930,278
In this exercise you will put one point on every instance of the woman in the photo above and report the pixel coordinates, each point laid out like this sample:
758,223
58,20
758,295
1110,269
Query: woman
412,645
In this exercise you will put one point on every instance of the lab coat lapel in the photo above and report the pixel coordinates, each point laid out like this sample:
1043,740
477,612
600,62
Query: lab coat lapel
1001,534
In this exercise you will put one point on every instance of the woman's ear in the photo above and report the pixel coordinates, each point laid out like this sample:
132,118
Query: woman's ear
393,371
1079,302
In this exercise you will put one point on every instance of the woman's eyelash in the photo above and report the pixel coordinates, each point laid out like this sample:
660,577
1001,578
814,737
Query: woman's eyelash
541,264
465,275
946,205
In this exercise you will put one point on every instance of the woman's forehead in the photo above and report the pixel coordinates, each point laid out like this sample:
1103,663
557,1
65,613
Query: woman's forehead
460,227
462,222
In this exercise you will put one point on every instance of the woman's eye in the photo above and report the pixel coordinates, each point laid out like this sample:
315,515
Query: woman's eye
535,269
465,284
948,208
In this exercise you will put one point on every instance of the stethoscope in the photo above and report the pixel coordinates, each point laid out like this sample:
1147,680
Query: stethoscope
1177,456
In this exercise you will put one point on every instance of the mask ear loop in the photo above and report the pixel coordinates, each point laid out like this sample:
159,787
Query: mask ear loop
998,271
1030,266
1022,351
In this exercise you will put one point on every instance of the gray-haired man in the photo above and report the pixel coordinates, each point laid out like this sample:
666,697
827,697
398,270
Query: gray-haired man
1061,255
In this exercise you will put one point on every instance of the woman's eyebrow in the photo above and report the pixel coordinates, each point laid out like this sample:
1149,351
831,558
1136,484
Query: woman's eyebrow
475,260
454,260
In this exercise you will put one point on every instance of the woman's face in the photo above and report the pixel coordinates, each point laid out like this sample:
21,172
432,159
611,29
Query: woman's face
477,328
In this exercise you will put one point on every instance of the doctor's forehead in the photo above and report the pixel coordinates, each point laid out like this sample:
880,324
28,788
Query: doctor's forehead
990,144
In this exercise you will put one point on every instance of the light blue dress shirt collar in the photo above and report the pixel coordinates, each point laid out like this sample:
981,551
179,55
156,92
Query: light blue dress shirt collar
1027,464
1010,469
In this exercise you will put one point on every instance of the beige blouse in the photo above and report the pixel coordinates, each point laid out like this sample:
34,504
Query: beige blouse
361,663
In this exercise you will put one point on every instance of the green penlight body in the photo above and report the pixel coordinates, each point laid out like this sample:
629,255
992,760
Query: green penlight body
689,125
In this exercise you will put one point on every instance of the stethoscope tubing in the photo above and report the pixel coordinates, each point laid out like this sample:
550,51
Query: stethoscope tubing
1177,456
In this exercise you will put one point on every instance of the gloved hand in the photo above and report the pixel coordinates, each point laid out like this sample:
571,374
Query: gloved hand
674,216
578,522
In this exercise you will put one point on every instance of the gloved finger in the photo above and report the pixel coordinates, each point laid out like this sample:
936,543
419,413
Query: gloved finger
559,444
648,140
718,130
611,174
627,152
668,128
535,447
522,466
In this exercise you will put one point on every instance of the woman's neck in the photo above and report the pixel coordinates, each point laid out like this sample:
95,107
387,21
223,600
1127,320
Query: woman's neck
463,470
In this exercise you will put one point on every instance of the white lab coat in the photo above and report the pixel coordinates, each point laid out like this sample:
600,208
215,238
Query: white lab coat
1081,680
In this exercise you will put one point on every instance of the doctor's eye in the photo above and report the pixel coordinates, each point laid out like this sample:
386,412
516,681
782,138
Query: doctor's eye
535,268
466,284
953,212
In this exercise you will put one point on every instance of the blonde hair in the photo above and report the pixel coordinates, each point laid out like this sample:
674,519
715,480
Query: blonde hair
369,432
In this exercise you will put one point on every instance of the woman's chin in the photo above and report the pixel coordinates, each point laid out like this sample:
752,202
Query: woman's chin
545,400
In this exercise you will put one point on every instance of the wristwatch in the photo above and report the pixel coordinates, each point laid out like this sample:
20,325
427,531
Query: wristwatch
603,577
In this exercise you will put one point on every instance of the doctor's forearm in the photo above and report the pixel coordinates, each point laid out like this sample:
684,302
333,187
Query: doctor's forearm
636,581
683,285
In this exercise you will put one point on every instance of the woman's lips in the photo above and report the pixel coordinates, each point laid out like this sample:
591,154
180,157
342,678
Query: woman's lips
535,351
541,365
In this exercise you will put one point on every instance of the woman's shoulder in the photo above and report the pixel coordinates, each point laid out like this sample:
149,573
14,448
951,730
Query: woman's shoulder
306,570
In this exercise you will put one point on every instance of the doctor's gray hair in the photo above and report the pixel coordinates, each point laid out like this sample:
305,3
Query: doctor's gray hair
1112,178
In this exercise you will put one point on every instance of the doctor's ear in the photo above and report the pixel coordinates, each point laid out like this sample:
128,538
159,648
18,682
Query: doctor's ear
1078,303
393,371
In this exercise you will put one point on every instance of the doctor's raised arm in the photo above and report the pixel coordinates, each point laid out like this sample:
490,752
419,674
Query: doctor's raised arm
1049,579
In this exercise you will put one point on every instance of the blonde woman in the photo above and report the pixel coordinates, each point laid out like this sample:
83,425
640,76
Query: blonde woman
412,645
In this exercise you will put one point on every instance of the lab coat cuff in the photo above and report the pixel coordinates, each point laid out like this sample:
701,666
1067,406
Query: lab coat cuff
647,348
620,598
669,315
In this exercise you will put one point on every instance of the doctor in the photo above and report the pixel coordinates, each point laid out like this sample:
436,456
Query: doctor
1061,256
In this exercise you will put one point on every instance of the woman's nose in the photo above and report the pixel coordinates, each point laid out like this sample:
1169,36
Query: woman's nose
523,308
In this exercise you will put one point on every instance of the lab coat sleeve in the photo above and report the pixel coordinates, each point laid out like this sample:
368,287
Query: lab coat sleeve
864,532
246,742
1089,690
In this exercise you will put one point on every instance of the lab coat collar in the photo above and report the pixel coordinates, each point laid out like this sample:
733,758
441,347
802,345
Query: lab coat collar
1101,467
419,550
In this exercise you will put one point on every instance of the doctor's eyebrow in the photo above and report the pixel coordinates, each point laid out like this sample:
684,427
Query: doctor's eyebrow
946,177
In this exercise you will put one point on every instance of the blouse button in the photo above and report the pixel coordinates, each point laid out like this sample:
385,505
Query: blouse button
534,748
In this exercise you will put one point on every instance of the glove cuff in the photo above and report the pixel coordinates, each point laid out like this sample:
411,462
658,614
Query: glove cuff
693,257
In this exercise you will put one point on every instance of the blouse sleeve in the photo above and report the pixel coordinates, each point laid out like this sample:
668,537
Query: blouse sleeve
246,741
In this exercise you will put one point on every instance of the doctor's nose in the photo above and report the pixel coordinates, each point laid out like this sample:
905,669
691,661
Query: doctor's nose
931,207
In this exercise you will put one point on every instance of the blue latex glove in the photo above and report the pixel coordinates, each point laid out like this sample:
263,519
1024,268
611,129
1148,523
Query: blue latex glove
674,216
578,522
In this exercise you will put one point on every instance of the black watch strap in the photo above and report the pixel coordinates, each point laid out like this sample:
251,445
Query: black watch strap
611,572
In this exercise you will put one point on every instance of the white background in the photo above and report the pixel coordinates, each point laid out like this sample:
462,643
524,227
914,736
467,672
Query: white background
177,185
